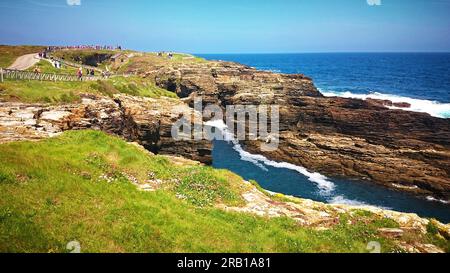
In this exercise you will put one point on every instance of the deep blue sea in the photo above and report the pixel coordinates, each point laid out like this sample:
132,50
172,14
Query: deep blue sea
422,79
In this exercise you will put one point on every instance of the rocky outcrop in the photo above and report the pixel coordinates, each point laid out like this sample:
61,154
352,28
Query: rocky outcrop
339,137
325,216
389,103
351,138
143,120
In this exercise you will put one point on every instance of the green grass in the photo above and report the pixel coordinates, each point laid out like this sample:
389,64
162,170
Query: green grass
47,67
66,92
44,92
145,61
182,57
8,54
56,191
134,86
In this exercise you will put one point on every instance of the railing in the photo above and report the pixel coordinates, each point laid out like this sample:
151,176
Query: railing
29,75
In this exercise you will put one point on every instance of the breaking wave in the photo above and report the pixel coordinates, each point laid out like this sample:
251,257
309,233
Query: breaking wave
325,186
434,108
341,200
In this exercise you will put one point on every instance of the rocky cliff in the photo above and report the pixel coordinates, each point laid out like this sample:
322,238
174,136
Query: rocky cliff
335,136
338,137
143,120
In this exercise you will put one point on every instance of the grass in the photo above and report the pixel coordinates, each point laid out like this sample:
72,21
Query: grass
144,62
44,92
134,86
8,54
75,187
47,67
67,92
182,57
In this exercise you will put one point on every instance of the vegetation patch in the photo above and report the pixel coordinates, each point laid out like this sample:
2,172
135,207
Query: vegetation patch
46,67
78,187
134,86
67,92
204,186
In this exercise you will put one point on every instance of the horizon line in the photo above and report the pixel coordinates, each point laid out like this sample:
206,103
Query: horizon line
313,52
263,53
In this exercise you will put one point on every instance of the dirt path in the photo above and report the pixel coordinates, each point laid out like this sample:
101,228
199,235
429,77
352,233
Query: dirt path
24,62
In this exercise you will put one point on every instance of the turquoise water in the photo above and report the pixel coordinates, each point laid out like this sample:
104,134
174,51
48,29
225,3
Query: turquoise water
421,79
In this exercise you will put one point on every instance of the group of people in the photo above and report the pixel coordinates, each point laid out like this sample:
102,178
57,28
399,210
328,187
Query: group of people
43,54
89,72
57,64
169,55
81,47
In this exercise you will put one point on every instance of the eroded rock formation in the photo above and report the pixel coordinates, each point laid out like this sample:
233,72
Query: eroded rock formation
146,121
339,137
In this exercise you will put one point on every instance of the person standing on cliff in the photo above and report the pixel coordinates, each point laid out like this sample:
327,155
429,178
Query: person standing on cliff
80,74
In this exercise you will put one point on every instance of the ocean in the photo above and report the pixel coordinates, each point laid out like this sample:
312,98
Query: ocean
421,79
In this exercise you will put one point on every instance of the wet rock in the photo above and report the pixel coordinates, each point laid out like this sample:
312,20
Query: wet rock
401,105
389,103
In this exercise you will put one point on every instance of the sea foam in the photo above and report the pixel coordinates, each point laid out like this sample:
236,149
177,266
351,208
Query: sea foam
434,108
325,186
341,200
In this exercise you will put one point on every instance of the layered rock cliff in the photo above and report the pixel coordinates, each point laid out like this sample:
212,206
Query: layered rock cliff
143,120
335,136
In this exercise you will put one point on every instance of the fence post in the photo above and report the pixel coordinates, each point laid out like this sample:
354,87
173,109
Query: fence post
1,74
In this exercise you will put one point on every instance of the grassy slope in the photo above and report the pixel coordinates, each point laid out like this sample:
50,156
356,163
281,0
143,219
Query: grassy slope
8,54
53,192
47,67
145,60
65,92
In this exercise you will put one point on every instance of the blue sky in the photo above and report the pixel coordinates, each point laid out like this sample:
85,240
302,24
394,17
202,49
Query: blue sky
231,26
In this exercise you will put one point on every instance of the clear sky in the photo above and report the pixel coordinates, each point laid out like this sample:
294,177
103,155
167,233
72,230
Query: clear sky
231,26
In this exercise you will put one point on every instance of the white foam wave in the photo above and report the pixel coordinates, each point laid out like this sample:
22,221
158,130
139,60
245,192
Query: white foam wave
322,182
341,200
434,108
325,186
432,199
